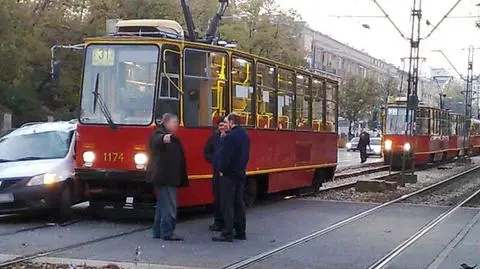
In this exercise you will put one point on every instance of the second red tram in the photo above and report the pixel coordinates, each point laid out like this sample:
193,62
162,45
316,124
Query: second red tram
438,135
130,81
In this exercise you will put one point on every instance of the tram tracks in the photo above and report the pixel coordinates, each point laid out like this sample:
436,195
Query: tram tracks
316,234
49,252
41,226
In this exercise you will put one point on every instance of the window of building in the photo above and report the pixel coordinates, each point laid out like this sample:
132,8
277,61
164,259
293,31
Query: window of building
317,104
303,102
204,85
285,96
266,95
242,89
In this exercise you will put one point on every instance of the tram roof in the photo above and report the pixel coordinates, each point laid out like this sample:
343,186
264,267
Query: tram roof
151,40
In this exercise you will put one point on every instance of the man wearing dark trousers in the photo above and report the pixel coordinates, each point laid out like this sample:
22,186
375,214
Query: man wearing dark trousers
167,171
211,153
235,151
363,142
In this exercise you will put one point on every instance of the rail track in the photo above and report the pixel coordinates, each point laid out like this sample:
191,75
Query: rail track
41,226
267,254
240,264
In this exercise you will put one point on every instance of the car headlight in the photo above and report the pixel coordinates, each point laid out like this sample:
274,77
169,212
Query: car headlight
407,146
44,179
388,144
88,158
349,145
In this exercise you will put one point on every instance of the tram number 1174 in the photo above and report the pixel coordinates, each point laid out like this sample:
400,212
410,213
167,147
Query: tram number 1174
113,157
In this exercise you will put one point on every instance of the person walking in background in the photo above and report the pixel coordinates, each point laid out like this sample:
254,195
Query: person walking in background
211,153
362,145
167,170
235,152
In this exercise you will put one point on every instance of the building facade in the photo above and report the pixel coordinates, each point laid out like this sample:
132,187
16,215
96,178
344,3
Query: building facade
327,54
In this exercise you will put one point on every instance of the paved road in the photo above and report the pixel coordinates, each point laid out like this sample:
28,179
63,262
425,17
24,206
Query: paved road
356,245
346,159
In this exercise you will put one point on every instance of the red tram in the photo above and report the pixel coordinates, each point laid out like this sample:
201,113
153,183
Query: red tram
130,80
438,135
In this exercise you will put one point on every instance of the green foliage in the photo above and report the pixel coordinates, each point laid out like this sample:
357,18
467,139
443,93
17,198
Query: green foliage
30,27
358,97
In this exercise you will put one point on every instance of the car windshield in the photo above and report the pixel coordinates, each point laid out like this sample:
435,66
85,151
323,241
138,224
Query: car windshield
375,142
119,79
35,146
355,140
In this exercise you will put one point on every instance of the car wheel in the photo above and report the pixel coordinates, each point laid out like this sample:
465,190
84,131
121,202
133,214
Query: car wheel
64,208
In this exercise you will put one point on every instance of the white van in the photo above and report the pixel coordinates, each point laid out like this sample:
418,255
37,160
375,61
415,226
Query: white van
37,169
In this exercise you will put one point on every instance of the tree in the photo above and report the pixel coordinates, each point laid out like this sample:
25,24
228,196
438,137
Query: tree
357,98
454,97
261,27
30,27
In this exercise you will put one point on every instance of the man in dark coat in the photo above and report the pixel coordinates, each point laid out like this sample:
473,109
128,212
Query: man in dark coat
211,153
362,145
167,171
235,152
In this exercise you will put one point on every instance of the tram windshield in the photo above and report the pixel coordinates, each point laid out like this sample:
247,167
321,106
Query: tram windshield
119,84
395,120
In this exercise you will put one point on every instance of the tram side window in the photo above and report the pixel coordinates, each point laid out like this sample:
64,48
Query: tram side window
423,121
317,104
242,89
331,108
453,125
444,123
285,98
302,102
205,76
169,95
266,100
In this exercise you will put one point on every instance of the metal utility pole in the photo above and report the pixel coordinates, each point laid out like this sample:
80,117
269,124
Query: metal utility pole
468,99
412,86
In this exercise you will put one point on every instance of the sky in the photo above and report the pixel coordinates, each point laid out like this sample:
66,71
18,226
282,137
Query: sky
382,41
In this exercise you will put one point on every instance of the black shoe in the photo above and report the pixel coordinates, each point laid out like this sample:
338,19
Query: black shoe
215,228
222,238
240,237
173,238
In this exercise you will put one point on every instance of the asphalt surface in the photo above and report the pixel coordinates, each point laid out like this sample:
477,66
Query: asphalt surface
356,245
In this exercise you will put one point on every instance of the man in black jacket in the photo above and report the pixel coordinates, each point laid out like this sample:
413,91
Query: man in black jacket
235,152
167,170
363,142
211,153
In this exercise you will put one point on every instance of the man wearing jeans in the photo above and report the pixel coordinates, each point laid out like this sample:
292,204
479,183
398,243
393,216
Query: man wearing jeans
167,171
235,151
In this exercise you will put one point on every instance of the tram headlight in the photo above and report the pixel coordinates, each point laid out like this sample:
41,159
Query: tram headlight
388,144
407,146
141,159
88,158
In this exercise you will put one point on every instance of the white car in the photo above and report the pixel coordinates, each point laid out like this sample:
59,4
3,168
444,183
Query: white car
353,144
375,146
36,169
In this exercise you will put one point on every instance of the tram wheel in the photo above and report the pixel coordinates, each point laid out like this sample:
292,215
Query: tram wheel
251,192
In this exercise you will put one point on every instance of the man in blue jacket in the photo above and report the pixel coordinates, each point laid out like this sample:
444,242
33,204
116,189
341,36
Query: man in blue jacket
211,153
235,152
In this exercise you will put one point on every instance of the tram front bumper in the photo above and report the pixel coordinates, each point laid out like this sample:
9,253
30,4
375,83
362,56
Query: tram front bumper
116,187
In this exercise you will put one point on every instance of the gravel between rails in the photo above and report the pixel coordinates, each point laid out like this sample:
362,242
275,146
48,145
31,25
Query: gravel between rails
425,178
31,265
449,194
